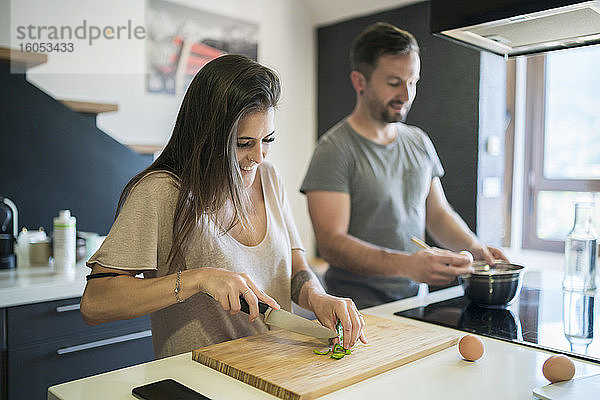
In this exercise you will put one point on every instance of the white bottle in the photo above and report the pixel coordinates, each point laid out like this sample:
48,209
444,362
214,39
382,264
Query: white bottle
63,242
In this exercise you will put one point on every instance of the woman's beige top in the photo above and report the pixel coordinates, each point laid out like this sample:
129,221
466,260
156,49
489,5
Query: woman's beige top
140,240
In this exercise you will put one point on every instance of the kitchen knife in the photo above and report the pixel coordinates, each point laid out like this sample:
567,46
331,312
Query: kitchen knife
291,322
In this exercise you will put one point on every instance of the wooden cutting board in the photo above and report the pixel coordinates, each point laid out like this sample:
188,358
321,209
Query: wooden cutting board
283,364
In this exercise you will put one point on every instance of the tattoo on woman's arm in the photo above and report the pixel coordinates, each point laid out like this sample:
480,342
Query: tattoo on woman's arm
298,281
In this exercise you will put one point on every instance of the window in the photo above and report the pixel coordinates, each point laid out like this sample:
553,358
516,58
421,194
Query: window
562,143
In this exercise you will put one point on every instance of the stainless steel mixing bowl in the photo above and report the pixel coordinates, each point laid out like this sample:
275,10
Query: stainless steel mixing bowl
493,286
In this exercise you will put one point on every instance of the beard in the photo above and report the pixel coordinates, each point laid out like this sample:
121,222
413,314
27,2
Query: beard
387,113
390,114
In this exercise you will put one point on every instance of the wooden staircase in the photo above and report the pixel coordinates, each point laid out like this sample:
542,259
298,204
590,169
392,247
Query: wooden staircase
53,158
21,61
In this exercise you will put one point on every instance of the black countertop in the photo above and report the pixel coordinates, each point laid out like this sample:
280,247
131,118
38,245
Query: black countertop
543,316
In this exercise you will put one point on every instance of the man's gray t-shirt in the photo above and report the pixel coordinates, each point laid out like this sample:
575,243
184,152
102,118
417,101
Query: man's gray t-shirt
388,186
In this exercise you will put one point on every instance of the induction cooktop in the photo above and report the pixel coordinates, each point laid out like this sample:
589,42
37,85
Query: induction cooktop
555,320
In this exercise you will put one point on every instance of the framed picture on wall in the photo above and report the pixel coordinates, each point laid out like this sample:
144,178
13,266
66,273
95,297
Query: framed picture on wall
181,40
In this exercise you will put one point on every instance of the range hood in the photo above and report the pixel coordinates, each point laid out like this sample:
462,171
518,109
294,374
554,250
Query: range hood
517,27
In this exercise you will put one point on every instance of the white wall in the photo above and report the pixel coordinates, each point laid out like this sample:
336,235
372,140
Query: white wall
325,12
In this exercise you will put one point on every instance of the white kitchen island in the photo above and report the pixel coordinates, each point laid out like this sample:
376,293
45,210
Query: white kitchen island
506,371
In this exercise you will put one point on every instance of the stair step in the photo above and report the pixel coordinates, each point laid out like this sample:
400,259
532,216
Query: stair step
21,60
146,148
87,107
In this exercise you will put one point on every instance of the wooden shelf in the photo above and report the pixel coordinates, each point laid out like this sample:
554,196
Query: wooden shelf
22,60
87,107
145,148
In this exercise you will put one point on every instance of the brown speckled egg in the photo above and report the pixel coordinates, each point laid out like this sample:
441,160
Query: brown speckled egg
470,347
558,368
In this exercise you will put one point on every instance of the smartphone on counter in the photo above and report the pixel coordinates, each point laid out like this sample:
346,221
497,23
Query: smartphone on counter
167,389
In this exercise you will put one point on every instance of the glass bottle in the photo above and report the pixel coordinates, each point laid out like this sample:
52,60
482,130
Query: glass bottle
578,320
581,251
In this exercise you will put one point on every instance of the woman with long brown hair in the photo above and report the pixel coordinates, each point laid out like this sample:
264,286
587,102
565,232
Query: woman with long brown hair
209,222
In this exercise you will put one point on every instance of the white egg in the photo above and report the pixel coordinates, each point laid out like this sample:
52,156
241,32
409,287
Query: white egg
468,254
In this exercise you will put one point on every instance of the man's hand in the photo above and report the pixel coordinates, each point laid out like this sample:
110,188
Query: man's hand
489,254
437,266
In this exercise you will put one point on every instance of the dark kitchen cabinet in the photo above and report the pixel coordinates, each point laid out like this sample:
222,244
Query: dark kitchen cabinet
3,353
48,343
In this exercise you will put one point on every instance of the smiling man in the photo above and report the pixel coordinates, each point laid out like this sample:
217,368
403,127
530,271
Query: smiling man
374,182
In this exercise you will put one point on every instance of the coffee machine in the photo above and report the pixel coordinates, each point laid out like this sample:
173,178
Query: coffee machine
9,222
